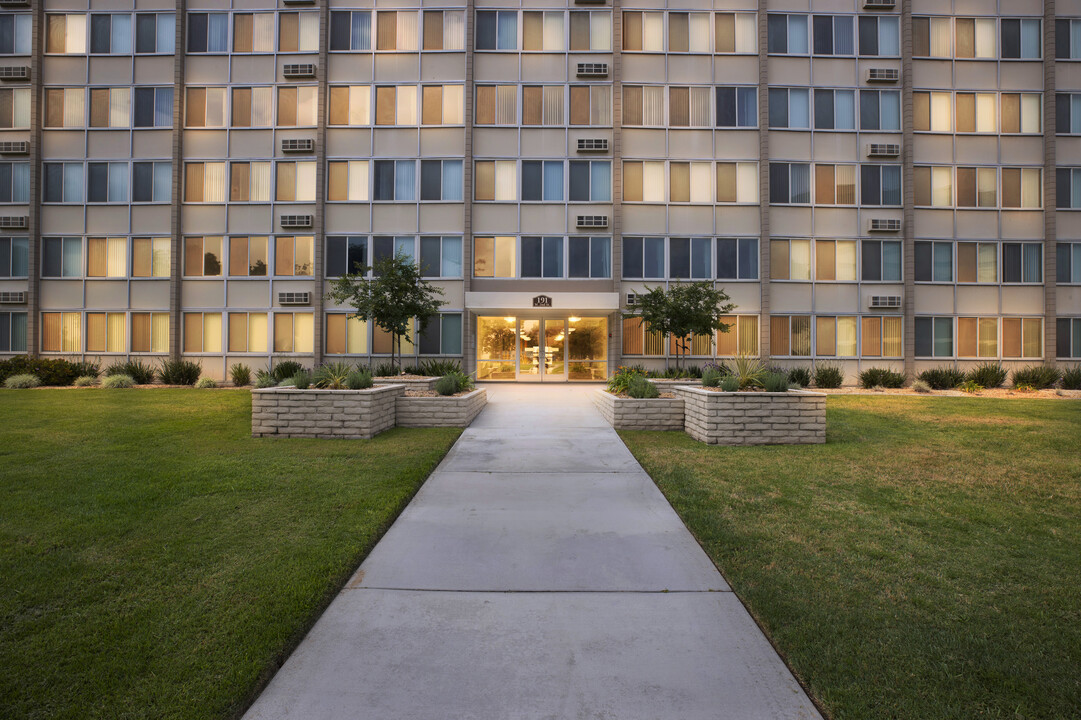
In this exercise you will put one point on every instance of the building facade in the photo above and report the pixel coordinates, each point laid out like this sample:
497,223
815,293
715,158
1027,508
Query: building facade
874,183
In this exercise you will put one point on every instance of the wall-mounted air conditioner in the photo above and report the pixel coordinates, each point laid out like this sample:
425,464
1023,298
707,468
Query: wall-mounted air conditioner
299,70
886,301
14,222
885,225
296,221
879,4
592,144
298,145
883,75
294,298
14,3
592,221
592,70
15,72
632,299
14,147
882,150
9,297
298,2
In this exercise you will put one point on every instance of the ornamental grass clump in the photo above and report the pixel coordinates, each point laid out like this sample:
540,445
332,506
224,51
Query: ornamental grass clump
800,376
22,381
943,378
446,385
775,382
240,375
640,388
881,377
1039,377
828,376
141,373
989,375
263,379
359,379
179,372
285,369
86,381
437,368
206,383
115,382
921,387
1071,378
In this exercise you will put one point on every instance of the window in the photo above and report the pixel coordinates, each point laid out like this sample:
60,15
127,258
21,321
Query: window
346,255
1067,339
106,332
64,107
880,36
787,34
1021,188
931,37
497,30
977,187
14,257
205,107
204,182
643,105
934,337
690,182
789,108
835,184
591,105
1067,112
590,181
350,105
293,255
741,338
495,180
253,107
155,33
297,105
14,108
880,110
975,38
934,261
736,32
835,260
383,342
639,340
977,262
253,32
497,104
248,256
1067,39
441,256
441,180
543,31
295,182
202,332
737,107
1021,39
880,185
61,332
880,336
690,258
790,259
106,257
790,183
63,182
643,32
494,257
110,107
833,35
881,261
150,257
835,109
932,111
153,107
835,336
737,259
688,106
202,256
110,34
298,32
395,180
208,32
643,181
1068,267
396,105
61,257
347,180
351,30
790,335
396,30
444,30
247,332
542,105
643,258
977,337
1022,113
737,182
934,186
542,257
14,182
443,105
1068,188
65,34
593,31
385,247
152,182
15,33
1022,262
977,112
13,332
346,334
589,257
1022,337
542,180
443,336
688,32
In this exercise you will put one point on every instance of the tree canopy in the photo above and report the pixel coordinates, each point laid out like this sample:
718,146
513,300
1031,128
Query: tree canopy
683,309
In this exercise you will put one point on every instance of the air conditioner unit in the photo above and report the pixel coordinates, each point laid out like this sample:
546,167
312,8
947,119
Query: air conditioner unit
298,2
299,70
294,298
590,2
883,150
632,299
885,225
13,297
592,144
879,4
298,145
296,221
14,3
14,147
883,75
14,222
592,70
15,72
886,301
592,221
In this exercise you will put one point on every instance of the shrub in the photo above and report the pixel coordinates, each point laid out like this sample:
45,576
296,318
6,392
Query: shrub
240,375
990,375
359,380
206,383
1071,378
943,378
302,380
749,371
332,375
446,385
622,377
1038,376
175,371
85,381
141,373
51,371
828,376
729,383
465,382
285,369
881,377
720,367
970,386
800,376
263,379
641,388
385,369
437,368
287,382
775,382
711,377
118,381
22,381
921,387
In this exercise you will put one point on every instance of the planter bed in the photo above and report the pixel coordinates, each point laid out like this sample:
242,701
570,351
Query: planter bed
410,382
754,418
288,412
440,410
625,413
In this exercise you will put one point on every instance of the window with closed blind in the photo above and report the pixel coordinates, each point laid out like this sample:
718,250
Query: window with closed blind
65,34
790,335
294,332
643,31
14,257
150,332
880,336
293,255
14,182
346,335
688,106
879,36
298,32
496,105
61,332
350,105
202,332
643,105
155,33
65,107
248,332
977,337
690,182
835,260
297,106
833,35
203,256
542,105
15,108
444,30
295,181
495,180
249,256
790,259
204,182
688,32
106,257
836,336
735,32
591,105
1022,337
252,107
106,332
977,262
347,181
151,257
787,35
396,30
249,181
350,30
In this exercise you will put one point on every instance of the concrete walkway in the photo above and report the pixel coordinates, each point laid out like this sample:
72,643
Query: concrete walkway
539,573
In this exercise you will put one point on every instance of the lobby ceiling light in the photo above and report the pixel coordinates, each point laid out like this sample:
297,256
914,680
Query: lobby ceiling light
574,319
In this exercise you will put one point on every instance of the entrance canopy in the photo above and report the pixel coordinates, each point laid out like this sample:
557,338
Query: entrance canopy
578,302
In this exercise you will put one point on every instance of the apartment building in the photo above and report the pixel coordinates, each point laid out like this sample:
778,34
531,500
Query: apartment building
874,183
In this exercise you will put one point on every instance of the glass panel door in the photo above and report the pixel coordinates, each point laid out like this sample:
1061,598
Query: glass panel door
529,356
495,348
587,346
555,366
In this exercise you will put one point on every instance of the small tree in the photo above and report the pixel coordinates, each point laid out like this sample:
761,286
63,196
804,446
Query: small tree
395,294
684,309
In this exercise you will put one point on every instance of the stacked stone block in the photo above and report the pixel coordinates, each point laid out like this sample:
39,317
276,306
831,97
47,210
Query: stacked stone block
440,411
640,414
758,418
356,414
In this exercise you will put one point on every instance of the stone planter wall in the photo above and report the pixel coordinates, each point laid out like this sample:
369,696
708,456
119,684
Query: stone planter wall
288,412
440,411
754,418
409,383
644,414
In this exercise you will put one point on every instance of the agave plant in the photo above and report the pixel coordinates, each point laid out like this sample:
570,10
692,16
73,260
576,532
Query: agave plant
749,371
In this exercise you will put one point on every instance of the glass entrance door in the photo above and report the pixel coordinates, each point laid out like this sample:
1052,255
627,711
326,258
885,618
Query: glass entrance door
542,350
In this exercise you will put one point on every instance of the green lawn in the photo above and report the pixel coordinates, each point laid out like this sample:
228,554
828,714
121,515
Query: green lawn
157,562
924,563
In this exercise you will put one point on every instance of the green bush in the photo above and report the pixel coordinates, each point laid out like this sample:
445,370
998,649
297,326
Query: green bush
437,368
622,377
287,382
970,386
240,375
729,383
1071,378
828,376
118,381
22,381
263,379
921,387
386,369
1039,377
302,380
446,385
141,373
85,381
359,380
206,383
332,376
800,376
775,382
711,377
285,369
881,377
641,388
989,375
749,372
684,373
175,371
943,378
51,371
